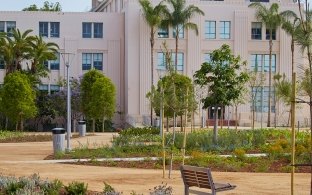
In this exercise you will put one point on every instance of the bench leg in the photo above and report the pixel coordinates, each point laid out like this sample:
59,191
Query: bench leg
186,190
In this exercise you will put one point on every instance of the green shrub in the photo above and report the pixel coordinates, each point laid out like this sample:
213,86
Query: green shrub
76,188
109,190
240,154
140,131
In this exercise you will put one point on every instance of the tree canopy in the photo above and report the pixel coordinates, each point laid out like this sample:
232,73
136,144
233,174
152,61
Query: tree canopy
47,6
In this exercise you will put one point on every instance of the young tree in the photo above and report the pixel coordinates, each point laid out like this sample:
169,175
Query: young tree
256,82
179,19
153,17
18,98
103,99
224,81
87,83
272,19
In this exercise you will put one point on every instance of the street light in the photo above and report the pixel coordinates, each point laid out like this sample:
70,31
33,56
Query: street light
67,57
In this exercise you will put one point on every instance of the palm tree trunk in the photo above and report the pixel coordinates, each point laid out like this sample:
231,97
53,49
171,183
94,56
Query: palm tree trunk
310,104
176,49
270,80
152,67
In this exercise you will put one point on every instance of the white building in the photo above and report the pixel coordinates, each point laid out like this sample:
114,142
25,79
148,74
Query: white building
114,38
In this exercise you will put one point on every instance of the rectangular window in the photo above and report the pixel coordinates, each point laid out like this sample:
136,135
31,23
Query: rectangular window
86,30
10,25
54,88
207,57
181,32
210,29
2,26
98,30
162,65
225,29
267,34
43,87
54,29
98,61
43,29
1,62
180,61
55,64
86,61
261,99
163,32
260,62
256,30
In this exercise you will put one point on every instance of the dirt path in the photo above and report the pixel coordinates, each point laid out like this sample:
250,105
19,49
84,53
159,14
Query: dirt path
128,180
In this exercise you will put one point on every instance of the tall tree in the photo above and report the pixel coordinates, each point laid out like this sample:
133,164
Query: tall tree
47,6
224,81
87,82
153,17
18,98
272,19
179,19
103,99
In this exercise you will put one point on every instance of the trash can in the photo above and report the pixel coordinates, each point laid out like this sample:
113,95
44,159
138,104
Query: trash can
82,128
58,140
156,122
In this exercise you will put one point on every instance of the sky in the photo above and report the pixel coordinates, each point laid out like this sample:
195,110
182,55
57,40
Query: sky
67,5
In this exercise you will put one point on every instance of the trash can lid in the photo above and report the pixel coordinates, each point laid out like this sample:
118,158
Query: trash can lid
81,122
58,131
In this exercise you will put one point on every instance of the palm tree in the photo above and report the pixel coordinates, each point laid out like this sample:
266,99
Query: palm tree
272,19
16,48
41,53
180,18
153,17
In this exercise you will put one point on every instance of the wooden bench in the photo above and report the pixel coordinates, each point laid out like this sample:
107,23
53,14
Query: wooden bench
201,177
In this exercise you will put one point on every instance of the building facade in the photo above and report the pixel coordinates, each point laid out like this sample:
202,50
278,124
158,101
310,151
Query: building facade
114,38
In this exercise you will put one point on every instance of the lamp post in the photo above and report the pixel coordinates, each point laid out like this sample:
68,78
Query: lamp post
68,108
67,57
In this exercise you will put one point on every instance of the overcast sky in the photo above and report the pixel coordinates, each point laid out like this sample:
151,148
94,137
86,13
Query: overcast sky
67,5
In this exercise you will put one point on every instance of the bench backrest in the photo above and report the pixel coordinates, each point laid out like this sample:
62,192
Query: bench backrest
197,176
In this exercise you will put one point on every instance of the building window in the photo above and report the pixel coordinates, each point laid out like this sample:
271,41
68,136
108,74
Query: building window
54,29
54,88
267,34
87,30
260,62
43,87
163,32
2,62
92,60
261,99
98,30
256,30
225,29
53,64
207,57
2,26
162,65
10,25
181,32
210,29
44,29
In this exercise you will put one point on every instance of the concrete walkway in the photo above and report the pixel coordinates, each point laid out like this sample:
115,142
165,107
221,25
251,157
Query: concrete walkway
24,159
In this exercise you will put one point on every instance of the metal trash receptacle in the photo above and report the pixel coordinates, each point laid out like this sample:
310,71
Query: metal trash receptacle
82,128
156,122
58,140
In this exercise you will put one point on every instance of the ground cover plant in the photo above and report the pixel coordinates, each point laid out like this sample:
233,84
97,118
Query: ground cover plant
137,142
34,185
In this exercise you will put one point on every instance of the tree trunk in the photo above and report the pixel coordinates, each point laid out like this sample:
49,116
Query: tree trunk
6,123
270,80
236,118
167,123
152,67
103,124
181,126
221,119
93,125
176,50
22,122
74,125
215,127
